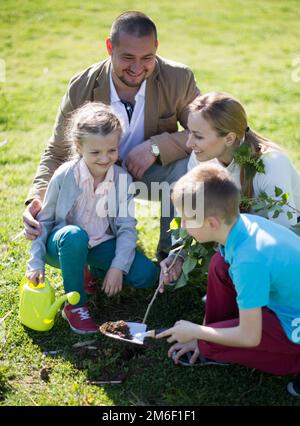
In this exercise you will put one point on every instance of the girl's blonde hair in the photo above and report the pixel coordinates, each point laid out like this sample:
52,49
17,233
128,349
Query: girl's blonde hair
226,114
92,119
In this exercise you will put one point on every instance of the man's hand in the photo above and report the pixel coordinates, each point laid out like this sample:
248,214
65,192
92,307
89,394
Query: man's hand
140,159
36,277
32,226
113,282
181,332
169,275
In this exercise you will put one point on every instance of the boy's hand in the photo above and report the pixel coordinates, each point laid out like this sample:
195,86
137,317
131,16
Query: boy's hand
35,277
182,348
113,282
31,225
181,332
168,276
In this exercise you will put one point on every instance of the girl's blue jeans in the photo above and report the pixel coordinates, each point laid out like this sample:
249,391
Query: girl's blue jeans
67,249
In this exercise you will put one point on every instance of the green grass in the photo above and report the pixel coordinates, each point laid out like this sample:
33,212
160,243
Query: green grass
243,47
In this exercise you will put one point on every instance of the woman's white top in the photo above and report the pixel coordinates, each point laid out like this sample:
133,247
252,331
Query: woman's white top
279,171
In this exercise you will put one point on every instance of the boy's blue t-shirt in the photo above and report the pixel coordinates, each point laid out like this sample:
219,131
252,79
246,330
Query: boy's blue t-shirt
264,260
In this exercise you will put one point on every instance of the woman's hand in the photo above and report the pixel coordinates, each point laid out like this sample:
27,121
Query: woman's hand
113,282
36,277
167,276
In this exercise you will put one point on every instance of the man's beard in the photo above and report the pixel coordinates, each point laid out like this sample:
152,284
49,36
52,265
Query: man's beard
128,84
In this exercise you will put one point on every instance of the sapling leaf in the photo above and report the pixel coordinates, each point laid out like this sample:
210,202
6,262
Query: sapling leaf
263,195
260,205
183,233
198,250
188,265
290,215
249,171
182,281
176,234
285,197
276,214
175,223
278,191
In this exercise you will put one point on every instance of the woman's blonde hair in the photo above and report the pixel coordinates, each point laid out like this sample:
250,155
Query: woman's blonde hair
226,114
92,119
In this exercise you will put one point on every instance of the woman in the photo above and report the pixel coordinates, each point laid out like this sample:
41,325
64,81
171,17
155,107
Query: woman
219,132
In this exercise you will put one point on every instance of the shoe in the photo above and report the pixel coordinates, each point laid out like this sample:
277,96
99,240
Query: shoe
79,319
293,388
200,361
90,283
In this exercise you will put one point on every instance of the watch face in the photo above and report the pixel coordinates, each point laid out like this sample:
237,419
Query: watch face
155,150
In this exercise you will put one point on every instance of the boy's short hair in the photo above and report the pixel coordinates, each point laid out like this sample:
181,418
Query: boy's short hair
134,23
221,196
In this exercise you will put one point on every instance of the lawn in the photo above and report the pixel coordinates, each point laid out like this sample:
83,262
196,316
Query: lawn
247,48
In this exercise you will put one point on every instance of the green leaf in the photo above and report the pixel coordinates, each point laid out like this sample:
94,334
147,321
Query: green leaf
278,191
290,215
243,150
276,214
285,197
260,166
263,195
198,250
182,281
183,233
176,234
175,223
249,170
188,265
257,206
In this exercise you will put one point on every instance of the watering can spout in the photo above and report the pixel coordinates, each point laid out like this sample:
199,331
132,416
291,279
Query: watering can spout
73,298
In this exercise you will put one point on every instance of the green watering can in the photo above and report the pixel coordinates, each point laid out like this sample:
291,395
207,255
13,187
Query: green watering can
38,307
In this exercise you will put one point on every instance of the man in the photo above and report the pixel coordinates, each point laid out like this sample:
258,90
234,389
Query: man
148,93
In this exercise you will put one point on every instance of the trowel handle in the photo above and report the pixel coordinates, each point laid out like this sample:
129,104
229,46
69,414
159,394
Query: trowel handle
155,332
160,330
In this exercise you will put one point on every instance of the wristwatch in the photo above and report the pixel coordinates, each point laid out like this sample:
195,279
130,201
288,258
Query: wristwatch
155,150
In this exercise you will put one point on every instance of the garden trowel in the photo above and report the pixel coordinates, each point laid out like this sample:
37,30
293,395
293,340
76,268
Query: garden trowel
138,332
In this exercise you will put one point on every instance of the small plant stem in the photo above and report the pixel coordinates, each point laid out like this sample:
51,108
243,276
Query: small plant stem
161,283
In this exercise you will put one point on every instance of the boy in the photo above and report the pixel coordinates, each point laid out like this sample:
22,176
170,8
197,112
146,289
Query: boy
253,313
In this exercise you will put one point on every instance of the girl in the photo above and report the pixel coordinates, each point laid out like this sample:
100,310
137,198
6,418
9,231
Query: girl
86,219
218,125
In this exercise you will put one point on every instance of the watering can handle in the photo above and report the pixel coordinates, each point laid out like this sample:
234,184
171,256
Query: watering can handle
26,281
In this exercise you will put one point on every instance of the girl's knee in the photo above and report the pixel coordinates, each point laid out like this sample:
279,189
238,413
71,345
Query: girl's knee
74,234
149,276
144,273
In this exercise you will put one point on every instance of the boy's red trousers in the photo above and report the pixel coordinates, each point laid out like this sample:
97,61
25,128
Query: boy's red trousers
275,354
